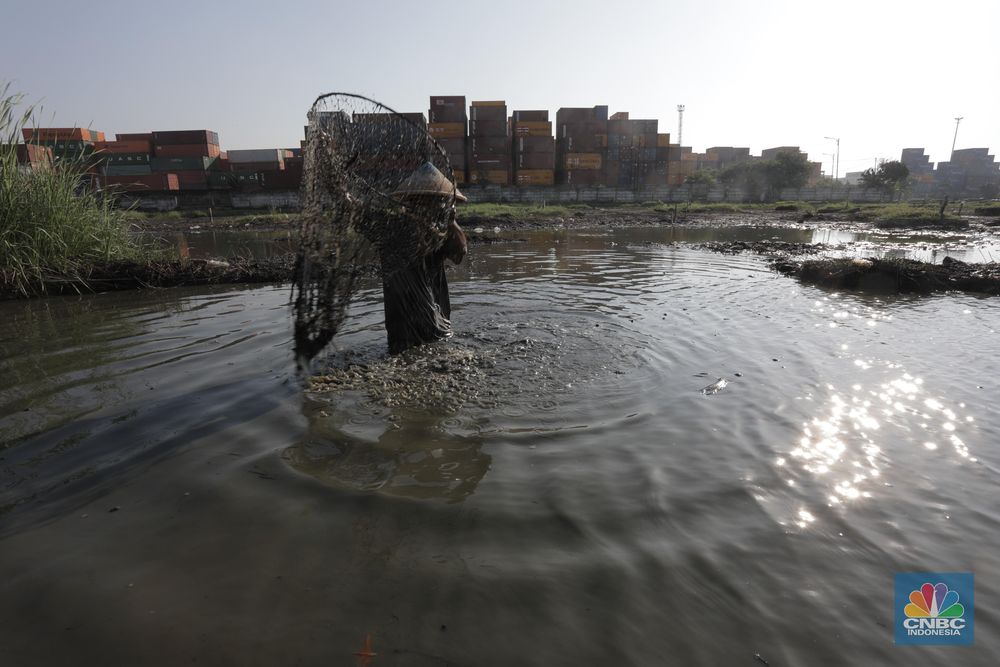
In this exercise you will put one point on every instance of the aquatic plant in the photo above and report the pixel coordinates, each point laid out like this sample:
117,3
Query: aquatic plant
54,220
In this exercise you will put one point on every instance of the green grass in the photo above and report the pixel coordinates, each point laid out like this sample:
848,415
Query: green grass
53,223
515,211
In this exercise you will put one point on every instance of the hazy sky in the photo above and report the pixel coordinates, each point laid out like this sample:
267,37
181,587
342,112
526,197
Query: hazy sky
880,74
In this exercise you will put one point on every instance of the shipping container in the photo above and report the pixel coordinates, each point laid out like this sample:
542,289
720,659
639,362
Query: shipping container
171,137
33,154
534,145
488,128
234,181
451,144
256,155
186,150
582,161
522,116
490,162
583,177
128,170
662,140
446,130
256,166
532,129
174,164
489,146
535,161
621,115
581,114
136,136
191,180
535,177
127,159
152,182
36,134
447,109
489,103
126,146
489,176
497,114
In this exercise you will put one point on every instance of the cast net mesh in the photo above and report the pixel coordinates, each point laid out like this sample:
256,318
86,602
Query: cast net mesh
358,153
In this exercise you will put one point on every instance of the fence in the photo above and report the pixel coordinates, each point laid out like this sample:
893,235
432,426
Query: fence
523,194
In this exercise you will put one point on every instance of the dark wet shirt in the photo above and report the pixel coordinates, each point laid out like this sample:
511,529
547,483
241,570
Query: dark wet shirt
417,306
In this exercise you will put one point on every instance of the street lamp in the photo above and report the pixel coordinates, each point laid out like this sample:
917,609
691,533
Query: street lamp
836,169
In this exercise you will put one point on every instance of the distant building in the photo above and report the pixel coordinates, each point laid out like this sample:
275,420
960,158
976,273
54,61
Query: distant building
971,172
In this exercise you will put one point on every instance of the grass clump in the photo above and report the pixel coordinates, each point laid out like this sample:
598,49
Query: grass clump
54,224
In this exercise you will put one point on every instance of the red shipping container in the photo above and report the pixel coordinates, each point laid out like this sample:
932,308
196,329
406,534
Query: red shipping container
186,150
151,182
174,137
126,146
192,180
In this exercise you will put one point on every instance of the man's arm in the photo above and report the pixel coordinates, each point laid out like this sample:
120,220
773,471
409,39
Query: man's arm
456,246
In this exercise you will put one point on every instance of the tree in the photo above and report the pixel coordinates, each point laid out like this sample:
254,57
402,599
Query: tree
786,170
699,183
890,177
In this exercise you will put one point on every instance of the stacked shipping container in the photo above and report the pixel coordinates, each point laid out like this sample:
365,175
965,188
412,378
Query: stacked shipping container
581,145
489,144
533,148
447,124
632,153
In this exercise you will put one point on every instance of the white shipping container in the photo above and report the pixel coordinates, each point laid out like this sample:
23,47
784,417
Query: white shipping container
257,155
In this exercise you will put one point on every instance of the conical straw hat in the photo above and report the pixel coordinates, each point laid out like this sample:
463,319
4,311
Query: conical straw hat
428,180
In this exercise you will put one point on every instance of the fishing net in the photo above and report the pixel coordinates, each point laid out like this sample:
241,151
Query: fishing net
361,214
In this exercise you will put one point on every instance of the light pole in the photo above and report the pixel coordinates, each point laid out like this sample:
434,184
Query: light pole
680,123
830,155
957,121
836,169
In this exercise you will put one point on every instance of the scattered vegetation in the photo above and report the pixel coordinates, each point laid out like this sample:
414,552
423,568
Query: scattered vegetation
890,178
514,211
53,222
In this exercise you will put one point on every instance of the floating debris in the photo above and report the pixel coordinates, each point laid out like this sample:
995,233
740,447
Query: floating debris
715,387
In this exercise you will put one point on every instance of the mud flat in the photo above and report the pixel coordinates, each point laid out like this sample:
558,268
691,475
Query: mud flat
894,275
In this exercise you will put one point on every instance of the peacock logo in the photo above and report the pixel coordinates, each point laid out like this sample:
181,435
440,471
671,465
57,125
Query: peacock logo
934,608
934,601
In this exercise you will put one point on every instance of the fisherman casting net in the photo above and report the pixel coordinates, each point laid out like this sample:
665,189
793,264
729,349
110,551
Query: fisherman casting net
365,208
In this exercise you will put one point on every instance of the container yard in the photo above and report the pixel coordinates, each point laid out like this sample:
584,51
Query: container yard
586,147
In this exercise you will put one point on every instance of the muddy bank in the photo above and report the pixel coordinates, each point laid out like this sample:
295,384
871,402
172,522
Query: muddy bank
893,275
599,218
124,275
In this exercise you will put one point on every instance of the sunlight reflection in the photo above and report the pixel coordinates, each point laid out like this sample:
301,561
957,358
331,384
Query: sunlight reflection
848,444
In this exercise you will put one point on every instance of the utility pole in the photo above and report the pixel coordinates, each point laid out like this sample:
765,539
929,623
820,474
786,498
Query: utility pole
836,169
957,121
680,123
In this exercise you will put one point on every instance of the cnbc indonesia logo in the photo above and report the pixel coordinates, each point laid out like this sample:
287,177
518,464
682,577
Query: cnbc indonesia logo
932,611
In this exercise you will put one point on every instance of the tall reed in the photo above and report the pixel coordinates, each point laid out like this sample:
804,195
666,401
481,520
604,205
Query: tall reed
53,222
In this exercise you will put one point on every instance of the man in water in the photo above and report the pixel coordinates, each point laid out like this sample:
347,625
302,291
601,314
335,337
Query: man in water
417,307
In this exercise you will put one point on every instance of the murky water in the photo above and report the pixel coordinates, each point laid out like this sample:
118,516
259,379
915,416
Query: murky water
168,493
926,246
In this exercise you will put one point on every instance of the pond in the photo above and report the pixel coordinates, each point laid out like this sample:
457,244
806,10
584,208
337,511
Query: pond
169,493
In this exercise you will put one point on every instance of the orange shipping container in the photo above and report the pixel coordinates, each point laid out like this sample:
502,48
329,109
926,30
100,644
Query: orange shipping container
446,130
535,177
663,141
533,129
582,160
495,176
490,103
